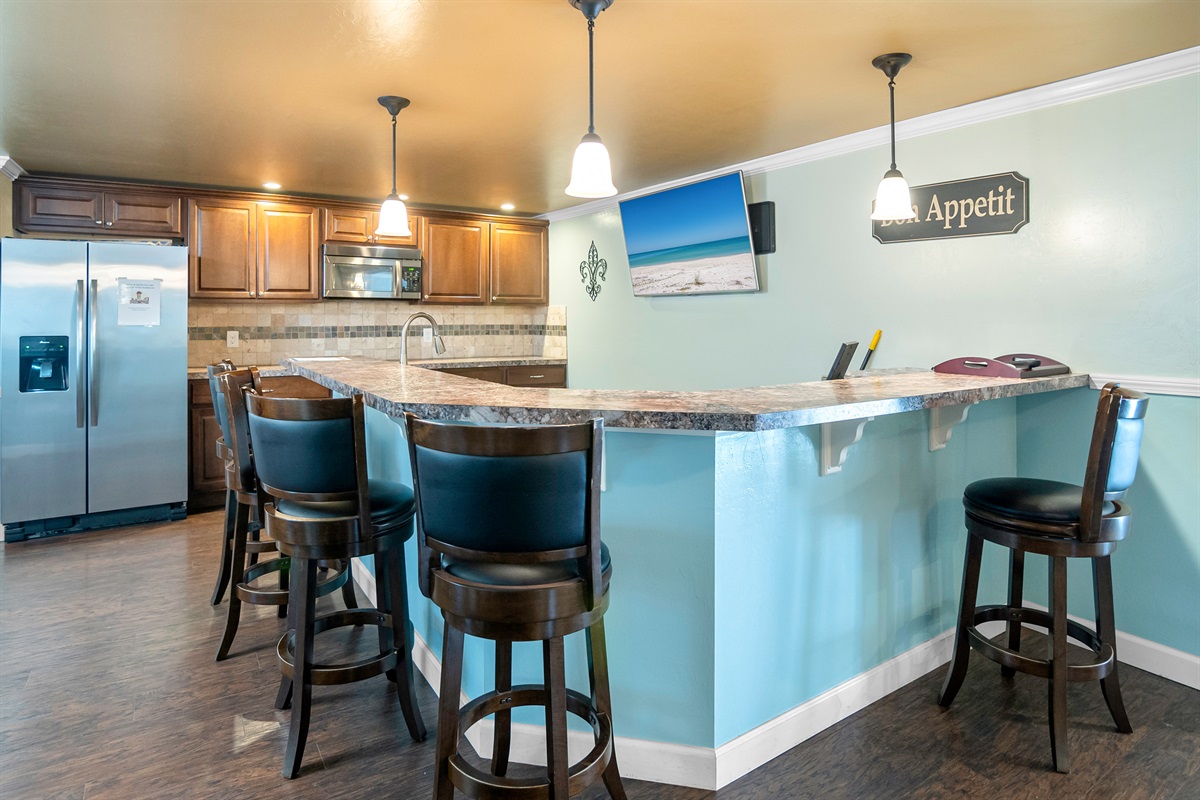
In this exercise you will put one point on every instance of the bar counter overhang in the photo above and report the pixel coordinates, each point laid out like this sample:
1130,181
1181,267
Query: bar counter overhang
761,591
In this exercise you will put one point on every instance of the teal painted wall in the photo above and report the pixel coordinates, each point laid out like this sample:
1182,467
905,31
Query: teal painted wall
1106,277
820,579
1113,236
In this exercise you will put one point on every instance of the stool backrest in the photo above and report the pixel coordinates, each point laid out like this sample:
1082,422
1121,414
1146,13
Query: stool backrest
507,494
234,384
1112,459
218,399
312,449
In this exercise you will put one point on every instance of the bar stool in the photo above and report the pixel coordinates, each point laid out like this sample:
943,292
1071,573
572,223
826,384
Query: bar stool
1062,521
218,402
310,458
508,533
245,542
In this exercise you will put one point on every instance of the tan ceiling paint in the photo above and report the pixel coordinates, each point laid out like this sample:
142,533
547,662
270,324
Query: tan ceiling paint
237,93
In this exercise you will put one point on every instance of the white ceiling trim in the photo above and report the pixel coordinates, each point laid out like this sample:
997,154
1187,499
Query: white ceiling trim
1180,387
1072,90
10,169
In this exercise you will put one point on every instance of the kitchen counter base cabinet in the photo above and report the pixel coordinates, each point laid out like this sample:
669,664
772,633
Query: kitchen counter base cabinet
59,205
552,376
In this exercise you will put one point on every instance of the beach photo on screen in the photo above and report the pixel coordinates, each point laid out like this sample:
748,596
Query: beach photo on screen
692,239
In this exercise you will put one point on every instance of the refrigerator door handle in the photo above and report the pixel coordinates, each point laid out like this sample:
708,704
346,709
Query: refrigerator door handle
80,399
93,376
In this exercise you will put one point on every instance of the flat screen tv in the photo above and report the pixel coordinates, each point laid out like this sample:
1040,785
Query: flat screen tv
692,239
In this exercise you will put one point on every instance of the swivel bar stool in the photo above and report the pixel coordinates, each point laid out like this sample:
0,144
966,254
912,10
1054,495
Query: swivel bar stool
1062,521
218,401
245,540
310,457
508,534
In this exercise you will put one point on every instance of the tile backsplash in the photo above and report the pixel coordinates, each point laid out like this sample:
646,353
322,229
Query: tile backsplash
268,332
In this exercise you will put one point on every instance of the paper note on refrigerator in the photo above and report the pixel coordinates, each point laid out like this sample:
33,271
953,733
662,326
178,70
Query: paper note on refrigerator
139,302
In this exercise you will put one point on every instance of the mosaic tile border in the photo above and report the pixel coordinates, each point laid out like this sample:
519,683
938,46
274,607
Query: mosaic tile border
260,332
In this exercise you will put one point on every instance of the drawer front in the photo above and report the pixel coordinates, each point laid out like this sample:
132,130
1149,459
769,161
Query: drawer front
554,376
493,374
199,393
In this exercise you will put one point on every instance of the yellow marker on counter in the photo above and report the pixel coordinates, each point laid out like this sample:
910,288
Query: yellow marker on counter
871,349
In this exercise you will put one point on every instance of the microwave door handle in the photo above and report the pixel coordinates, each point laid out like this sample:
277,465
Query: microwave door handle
93,376
397,282
80,398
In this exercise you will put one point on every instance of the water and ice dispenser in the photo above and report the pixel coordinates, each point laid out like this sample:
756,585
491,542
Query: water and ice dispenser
44,365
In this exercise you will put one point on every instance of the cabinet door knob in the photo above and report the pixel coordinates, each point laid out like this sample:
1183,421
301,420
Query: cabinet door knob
99,222
108,224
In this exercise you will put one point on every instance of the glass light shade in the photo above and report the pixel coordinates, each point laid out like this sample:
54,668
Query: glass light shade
591,171
892,200
393,218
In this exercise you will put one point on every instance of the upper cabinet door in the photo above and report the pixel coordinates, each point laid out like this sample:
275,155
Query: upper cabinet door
60,205
357,225
49,207
520,264
143,214
222,248
289,251
456,260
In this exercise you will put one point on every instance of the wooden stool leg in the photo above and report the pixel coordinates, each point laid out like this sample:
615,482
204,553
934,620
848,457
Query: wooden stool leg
966,618
1058,664
283,697
554,672
1016,582
303,596
226,547
397,596
447,729
597,658
348,596
502,732
1106,629
283,584
238,572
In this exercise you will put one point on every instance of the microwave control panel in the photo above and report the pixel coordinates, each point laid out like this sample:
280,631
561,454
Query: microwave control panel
410,282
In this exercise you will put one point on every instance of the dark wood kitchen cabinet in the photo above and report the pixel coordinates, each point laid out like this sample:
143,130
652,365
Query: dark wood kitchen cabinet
477,260
357,224
242,249
206,472
550,376
61,205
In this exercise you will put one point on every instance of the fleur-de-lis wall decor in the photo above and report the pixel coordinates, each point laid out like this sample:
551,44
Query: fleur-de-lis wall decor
592,271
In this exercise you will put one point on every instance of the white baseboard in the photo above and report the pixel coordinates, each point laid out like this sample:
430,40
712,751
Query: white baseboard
714,768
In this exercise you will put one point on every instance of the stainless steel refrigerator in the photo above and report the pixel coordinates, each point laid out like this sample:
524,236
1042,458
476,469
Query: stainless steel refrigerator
93,385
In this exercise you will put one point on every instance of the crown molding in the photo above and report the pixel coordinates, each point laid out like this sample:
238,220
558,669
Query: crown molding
1071,90
10,169
1179,387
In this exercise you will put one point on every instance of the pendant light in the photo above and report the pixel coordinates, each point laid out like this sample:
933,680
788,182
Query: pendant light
393,216
892,200
591,171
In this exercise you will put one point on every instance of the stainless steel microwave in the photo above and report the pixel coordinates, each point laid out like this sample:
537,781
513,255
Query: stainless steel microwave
366,271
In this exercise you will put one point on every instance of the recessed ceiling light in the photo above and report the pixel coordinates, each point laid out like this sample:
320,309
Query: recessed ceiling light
272,185
507,207
403,197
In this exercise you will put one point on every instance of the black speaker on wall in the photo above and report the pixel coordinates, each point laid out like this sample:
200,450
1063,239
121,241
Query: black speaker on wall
762,226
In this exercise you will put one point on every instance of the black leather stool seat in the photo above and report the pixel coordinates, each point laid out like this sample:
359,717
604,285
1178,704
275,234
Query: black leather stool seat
392,504
1031,499
523,574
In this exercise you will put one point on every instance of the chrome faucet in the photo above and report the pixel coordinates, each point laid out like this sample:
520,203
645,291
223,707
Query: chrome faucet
439,346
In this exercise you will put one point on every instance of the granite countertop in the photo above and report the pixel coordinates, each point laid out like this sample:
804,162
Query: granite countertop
485,361
394,389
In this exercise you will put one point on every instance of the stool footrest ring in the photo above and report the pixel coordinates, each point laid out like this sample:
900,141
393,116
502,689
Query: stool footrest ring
336,674
1039,667
475,782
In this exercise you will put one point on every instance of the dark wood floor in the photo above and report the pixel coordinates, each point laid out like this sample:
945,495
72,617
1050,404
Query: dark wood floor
108,690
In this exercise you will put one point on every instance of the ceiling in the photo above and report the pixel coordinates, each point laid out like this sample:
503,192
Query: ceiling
233,94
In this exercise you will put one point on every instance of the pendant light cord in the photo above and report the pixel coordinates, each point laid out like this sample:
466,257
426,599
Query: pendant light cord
591,76
394,154
891,89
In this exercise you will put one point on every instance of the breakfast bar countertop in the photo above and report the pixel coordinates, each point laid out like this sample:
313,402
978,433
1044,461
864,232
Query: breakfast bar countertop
395,389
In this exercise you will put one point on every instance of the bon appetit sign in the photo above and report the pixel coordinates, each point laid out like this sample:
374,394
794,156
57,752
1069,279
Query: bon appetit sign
985,206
